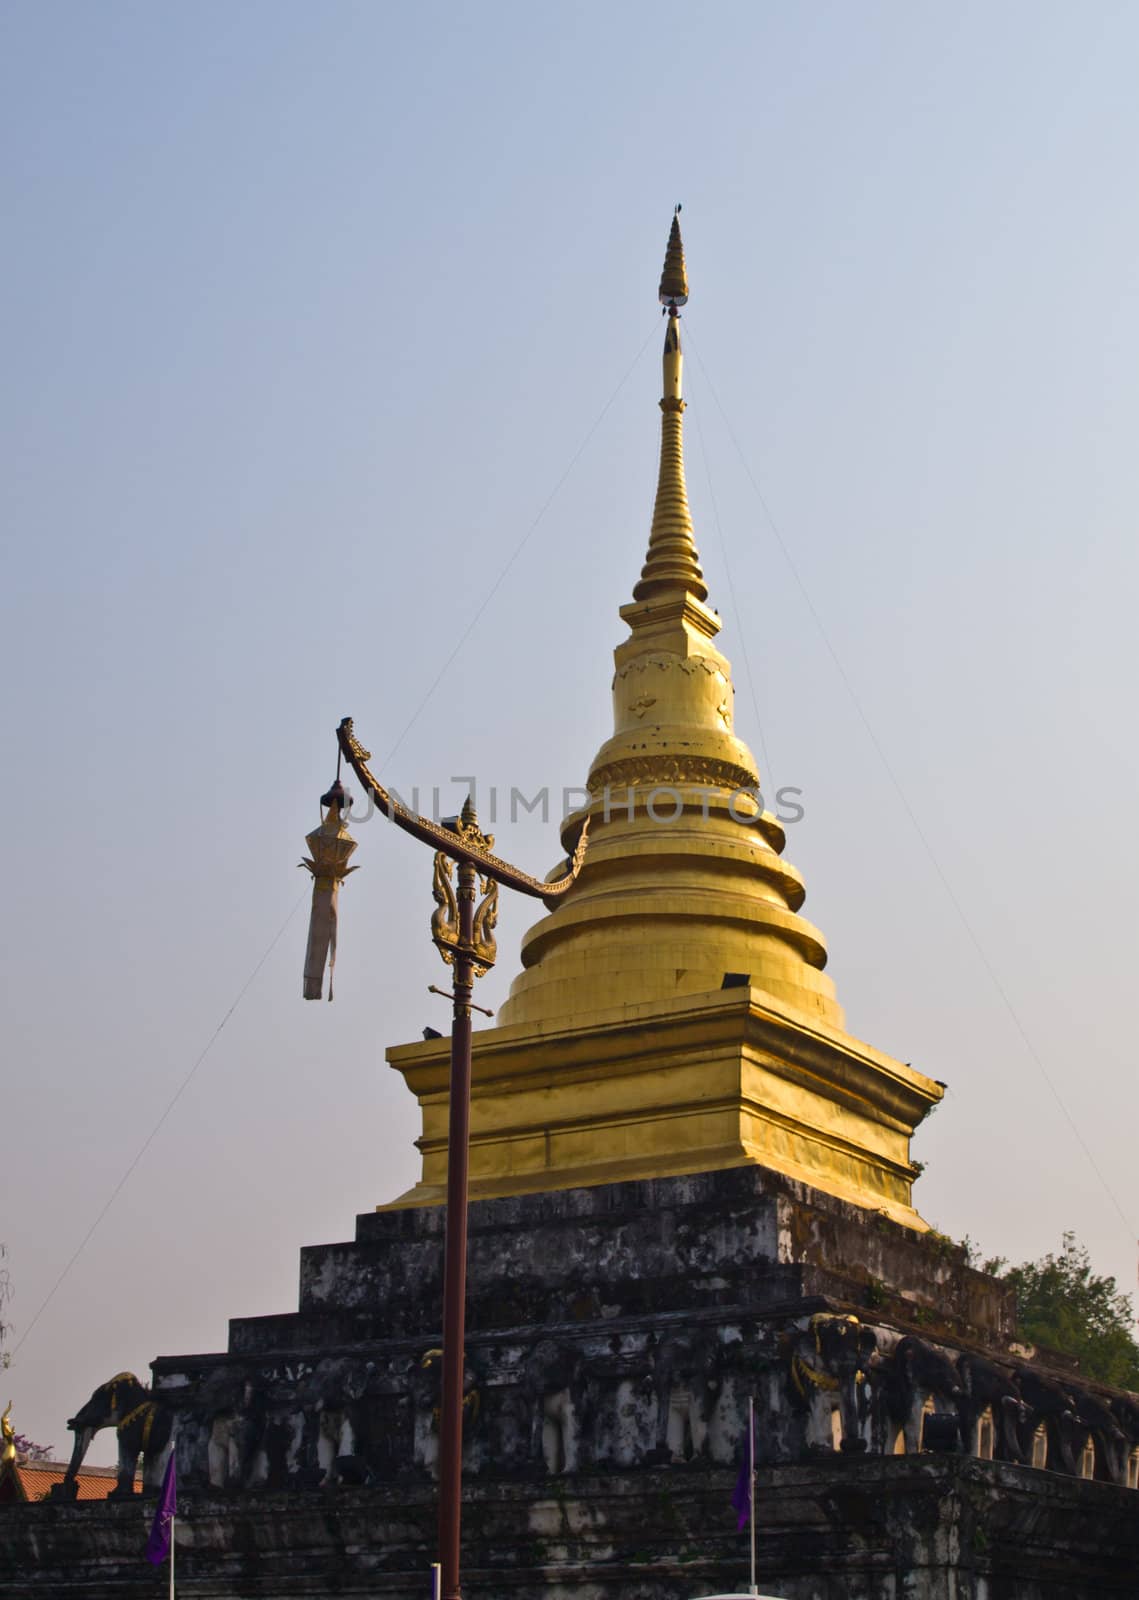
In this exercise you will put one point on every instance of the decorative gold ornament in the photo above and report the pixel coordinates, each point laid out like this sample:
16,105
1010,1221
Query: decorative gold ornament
445,918
486,919
674,279
703,771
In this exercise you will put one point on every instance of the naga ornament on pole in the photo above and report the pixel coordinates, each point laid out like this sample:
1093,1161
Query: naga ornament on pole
445,929
463,931
459,841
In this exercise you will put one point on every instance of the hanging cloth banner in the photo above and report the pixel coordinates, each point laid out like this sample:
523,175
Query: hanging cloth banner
331,845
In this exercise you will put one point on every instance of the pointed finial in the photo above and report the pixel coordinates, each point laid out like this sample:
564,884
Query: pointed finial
672,563
674,279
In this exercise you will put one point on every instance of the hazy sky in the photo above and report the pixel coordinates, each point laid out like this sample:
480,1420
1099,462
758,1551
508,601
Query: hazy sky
308,310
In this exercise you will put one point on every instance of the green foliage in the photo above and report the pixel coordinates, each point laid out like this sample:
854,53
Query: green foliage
876,1293
942,1245
1062,1303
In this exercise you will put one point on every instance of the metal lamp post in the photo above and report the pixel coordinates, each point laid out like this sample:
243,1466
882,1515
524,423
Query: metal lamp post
463,932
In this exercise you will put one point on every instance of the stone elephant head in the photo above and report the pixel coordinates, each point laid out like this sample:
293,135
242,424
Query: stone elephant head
829,1361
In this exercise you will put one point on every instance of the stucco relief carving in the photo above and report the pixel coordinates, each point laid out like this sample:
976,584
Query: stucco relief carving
706,771
667,662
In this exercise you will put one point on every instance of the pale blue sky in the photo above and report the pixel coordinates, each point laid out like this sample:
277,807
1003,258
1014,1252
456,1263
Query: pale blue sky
308,309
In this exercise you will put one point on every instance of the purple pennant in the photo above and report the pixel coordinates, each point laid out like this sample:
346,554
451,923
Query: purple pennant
158,1545
741,1494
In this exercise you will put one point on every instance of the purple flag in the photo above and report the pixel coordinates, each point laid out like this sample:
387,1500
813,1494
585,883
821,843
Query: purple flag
741,1494
162,1529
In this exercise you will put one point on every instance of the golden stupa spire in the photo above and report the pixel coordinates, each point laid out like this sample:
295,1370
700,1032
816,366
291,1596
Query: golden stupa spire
672,563
664,908
672,1014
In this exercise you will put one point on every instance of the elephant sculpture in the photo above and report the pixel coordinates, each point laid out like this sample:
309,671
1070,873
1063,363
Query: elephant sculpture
236,1437
334,1422
427,1392
1054,1409
551,1385
384,1417
1126,1414
829,1363
144,1426
986,1387
917,1375
342,1431
686,1382
1112,1444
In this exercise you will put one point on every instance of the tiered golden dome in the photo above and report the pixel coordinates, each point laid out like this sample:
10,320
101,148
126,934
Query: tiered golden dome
684,881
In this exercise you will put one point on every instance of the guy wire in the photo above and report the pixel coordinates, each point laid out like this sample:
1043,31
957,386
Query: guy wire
153,1134
963,917
185,1084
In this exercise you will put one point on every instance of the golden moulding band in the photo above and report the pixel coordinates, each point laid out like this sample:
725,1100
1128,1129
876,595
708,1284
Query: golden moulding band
706,771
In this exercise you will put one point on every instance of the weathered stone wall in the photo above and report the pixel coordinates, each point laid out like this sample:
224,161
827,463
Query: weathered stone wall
615,1337
625,1325
744,1236
909,1528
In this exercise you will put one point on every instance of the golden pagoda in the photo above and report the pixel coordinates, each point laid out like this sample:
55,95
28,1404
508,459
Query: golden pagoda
672,1014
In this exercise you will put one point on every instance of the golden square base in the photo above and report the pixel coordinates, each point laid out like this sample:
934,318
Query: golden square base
707,1081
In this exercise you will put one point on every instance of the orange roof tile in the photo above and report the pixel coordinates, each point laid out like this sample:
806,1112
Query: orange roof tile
35,1478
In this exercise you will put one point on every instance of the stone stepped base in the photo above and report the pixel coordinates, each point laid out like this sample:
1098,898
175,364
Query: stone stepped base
615,1337
927,1528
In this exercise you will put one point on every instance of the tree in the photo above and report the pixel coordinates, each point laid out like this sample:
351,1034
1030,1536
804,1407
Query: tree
26,1449
5,1294
1062,1303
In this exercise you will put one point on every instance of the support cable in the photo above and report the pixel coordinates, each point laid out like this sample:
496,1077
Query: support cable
153,1134
741,632
518,549
186,1081
895,782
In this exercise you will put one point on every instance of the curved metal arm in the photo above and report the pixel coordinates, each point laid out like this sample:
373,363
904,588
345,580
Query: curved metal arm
453,844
